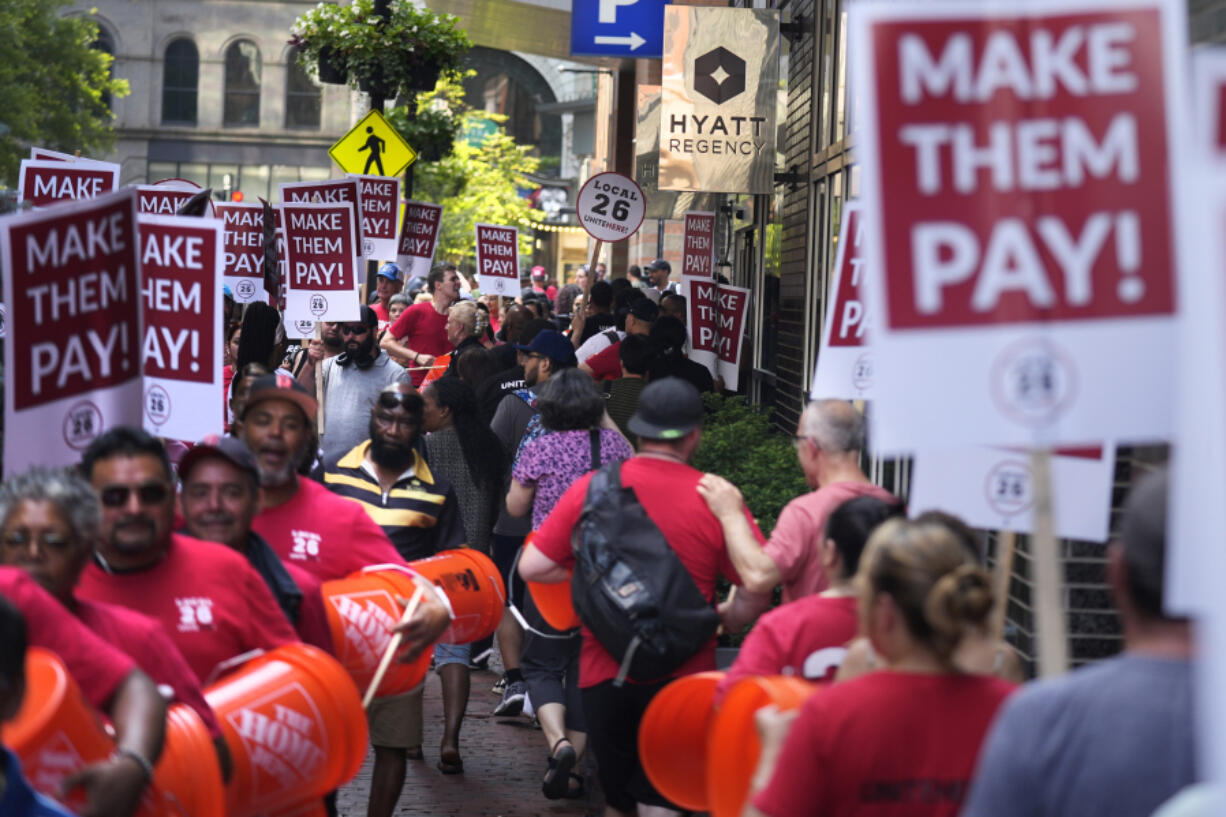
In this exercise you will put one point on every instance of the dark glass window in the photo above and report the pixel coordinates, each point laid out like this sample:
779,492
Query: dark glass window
242,102
180,76
302,97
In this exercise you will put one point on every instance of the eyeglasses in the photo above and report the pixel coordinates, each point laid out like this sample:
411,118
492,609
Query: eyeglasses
151,493
354,330
391,399
50,542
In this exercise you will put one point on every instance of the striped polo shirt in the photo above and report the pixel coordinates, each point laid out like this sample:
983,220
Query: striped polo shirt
419,514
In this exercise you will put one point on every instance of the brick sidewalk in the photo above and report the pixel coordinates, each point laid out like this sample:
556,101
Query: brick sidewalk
504,762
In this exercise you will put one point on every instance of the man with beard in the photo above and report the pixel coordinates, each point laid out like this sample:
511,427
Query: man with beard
417,510
212,603
306,525
219,497
308,360
350,382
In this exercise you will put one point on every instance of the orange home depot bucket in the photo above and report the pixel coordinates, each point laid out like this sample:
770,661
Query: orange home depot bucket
474,586
56,732
294,723
733,748
552,601
673,739
188,775
362,609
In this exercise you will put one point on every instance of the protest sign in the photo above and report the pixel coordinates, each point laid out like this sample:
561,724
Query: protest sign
43,154
497,259
323,263
993,488
181,267
243,250
332,191
844,362
72,361
717,327
418,238
299,328
698,245
43,183
165,197
1020,170
379,197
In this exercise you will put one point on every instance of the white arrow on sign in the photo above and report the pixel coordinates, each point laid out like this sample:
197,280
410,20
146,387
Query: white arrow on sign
634,41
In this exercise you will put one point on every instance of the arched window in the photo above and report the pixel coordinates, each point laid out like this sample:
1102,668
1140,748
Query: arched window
242,105
302,97
180,76
106,43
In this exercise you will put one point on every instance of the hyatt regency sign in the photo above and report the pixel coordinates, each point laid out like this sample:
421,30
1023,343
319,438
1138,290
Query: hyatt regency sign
721,78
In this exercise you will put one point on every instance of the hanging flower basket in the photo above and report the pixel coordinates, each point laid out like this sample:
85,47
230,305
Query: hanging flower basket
331,70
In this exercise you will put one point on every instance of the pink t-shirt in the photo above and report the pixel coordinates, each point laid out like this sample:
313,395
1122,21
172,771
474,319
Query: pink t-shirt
801,526
328,536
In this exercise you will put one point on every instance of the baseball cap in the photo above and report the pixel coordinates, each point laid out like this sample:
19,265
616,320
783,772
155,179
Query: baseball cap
390,270
645,309
230,449
660,263
1143,532
538,273
281,387
552,344
668,410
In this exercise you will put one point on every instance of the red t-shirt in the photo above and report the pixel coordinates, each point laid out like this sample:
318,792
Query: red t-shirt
607,363
328,536
424,330
380,313
668,492
806,638
95,665
312,619
146,641
800,529
211,602
887,743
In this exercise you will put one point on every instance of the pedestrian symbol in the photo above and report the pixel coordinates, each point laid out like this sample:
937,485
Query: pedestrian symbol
373,147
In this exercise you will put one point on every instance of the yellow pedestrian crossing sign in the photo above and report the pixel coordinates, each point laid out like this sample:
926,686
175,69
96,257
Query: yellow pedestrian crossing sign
373,148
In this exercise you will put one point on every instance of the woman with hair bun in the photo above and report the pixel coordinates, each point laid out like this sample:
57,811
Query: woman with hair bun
903,740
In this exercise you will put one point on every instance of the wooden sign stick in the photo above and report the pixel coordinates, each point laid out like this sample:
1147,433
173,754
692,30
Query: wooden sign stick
1047,584
1006,544
392,646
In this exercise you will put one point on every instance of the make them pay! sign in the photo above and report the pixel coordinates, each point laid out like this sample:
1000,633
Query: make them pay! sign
1020,164
844,362
498,259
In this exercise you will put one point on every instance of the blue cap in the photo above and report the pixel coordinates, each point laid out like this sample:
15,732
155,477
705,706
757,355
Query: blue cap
553,345
390,270
225,290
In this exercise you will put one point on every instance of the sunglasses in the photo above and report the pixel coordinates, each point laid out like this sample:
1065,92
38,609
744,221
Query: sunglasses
354,330
151,493
390,400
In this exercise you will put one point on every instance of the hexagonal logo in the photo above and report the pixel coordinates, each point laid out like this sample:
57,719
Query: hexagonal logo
719,75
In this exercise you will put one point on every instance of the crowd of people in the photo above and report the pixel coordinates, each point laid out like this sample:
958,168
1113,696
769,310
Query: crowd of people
438,420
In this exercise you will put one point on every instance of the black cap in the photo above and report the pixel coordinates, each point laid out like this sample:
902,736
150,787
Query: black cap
1143,532
281,387
660,263
552,344
230,449
668,410
645,310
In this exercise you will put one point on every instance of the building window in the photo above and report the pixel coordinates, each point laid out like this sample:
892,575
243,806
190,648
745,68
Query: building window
242,104
180,75
302,97
106,44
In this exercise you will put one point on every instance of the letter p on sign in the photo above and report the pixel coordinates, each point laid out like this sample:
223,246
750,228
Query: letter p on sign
608,9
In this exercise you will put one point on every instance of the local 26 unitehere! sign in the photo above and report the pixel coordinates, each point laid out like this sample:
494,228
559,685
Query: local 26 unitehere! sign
1020,169
844,363
73,358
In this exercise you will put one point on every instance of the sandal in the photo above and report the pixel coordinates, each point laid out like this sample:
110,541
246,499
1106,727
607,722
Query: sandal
450,763
576,791
557,778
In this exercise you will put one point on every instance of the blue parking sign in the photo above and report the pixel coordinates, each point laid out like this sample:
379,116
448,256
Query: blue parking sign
617,28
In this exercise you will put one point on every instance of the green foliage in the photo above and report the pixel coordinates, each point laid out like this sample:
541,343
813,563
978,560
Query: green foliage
53,85
394,53
475,183
740,444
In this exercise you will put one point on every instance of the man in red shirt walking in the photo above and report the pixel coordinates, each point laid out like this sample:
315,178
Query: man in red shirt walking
669,426
419,335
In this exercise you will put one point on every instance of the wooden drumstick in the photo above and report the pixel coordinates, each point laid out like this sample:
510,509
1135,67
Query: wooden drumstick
392,646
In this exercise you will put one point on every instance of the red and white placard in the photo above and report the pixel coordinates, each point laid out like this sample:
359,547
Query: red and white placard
418,238
844,361
380,197
43,154
1021,164
181,344
243,253
716,323
72,358
498,259
993,488
165,197
698,245
610,207
46,182
332,191
323,262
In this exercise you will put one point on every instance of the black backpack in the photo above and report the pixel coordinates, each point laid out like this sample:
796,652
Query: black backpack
630,588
